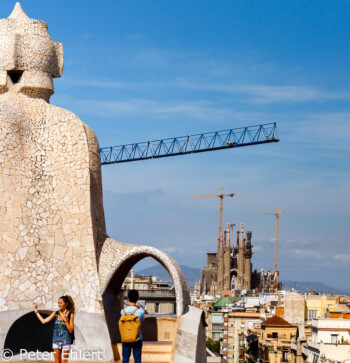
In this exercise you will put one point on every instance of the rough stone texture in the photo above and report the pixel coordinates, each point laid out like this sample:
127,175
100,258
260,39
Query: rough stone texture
190,337
294,308
47,239
53,237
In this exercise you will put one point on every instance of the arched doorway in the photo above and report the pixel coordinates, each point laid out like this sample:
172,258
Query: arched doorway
155,287
30,334
117,271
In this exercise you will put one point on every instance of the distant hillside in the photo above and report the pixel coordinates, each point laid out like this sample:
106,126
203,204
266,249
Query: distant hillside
307,286
192,273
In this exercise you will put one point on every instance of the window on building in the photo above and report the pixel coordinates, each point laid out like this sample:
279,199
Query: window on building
217,327
274,335
284,356
156,307
334,338
217,336
312,314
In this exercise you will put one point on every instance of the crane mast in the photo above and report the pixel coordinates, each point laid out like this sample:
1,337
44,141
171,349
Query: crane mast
221,196
277,215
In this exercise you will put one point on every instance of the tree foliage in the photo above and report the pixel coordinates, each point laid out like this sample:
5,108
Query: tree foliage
213,345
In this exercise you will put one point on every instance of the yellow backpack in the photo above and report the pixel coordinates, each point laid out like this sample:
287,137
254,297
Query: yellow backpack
129,327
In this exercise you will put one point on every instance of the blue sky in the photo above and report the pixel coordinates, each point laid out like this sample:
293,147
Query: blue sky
140,70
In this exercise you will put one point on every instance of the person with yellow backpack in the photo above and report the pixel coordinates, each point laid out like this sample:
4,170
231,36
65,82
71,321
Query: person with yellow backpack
130,328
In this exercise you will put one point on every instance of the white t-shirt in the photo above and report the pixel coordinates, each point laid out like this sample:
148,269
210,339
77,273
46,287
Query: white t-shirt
139,312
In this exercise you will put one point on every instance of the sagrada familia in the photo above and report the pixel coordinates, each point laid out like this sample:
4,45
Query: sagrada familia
53,238
230,268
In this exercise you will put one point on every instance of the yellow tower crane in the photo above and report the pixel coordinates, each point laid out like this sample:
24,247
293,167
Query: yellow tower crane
277,215
221,196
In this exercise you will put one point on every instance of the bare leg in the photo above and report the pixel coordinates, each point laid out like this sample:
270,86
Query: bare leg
57,353
65,355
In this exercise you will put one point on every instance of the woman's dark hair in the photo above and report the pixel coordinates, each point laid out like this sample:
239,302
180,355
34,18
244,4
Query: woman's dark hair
133,296
69,302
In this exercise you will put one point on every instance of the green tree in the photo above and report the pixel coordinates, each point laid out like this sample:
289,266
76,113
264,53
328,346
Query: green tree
213,345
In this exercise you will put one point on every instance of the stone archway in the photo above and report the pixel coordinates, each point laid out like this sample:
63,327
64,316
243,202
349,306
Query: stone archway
116,260
28,333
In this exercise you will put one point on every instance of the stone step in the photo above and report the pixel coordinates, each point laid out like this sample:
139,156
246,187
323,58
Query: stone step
157,357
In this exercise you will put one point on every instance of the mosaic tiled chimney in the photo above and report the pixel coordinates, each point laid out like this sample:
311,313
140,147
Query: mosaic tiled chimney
53,238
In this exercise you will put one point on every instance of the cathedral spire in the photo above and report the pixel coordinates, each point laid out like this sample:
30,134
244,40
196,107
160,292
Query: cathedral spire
249,240
228,237
241,240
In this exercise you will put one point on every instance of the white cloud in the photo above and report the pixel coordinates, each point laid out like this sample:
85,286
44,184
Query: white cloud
263,93
302,253
173,250
202,110
254,93
280,94
342,258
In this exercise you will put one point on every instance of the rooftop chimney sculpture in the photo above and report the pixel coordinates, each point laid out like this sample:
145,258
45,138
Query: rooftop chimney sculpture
53,237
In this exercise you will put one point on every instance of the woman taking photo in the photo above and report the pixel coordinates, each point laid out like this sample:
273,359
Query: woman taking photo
63,329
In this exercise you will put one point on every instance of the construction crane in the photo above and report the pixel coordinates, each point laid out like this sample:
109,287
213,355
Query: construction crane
210,141
277,215
221,196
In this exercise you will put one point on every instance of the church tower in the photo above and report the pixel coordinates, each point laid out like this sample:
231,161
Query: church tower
248,262
240,272
227,260
221,266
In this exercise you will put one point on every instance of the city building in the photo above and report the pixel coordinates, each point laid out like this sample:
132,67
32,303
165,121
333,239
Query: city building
319,306
341,310
215,323
240,325
155,296
330,341
137,282
276,340
230,268
294,308
299,350
225,303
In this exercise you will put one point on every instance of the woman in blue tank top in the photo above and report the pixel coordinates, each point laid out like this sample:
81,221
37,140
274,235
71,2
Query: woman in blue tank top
63,332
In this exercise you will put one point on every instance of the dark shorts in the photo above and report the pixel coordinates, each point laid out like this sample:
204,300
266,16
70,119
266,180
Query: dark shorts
136,351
